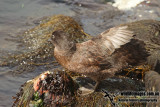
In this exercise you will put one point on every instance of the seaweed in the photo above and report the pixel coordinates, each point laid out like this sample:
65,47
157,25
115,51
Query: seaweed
56,89
59,90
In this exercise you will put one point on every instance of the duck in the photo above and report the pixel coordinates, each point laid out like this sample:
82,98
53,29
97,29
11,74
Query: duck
100,57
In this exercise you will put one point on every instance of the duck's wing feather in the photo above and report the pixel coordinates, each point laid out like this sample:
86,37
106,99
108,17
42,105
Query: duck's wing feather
113,38
96,51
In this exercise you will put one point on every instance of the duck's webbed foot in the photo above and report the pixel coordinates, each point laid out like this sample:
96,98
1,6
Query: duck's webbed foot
86,91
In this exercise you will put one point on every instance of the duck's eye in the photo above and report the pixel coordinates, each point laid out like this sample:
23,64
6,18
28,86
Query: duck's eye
53,36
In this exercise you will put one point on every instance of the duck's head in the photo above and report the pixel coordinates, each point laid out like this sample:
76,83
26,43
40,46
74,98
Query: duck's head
62,40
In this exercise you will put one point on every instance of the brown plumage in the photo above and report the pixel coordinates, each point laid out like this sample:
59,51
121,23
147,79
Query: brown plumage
102,56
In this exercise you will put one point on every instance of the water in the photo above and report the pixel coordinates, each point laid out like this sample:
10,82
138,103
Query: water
16,16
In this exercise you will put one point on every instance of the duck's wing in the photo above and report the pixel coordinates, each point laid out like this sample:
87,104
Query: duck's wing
96,50
113,38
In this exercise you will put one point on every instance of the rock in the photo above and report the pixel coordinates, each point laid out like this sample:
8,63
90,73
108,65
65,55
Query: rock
55,89
152,84
146,31
37,50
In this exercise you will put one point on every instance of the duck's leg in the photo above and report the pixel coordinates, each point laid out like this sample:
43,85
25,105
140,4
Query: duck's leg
96,87
86,91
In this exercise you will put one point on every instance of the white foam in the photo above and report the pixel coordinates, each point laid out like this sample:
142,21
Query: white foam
126,4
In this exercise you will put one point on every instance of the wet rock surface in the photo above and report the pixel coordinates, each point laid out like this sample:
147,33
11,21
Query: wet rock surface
55,89
152,83
115,84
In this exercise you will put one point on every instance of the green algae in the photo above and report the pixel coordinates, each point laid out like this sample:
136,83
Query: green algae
95,99
23,97
57,89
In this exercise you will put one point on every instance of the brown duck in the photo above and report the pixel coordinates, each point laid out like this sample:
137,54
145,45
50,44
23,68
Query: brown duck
100,57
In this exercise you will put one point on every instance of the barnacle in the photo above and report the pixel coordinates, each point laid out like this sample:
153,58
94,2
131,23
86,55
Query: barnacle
57,88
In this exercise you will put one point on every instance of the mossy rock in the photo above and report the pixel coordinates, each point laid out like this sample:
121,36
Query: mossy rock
56,89
64,94
37,50
40,51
